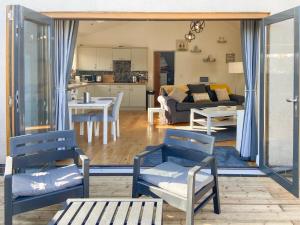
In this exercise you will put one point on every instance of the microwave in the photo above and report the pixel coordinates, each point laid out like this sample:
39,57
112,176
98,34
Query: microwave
88,78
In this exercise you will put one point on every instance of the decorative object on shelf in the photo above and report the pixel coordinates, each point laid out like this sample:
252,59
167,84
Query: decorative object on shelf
181,45
190,36
196,49
209,59
230,57
204,80
197,26
221,40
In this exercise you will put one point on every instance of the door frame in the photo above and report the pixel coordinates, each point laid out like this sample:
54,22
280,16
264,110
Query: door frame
293,186
16,15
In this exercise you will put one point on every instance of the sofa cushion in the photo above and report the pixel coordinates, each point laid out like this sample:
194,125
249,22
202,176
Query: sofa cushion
38,183
200,97
169,88
173,178
196,88
220,86
222,94
164,92
187,106
177,94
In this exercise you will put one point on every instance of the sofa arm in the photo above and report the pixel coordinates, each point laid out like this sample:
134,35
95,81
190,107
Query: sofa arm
237,98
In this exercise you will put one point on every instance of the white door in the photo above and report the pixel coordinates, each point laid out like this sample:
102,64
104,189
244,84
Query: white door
139,59
104,59
87,58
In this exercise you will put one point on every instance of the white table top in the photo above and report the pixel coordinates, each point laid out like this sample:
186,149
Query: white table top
216,112
96,102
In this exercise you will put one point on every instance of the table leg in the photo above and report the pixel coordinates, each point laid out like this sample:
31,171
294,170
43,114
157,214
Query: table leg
105,121
192,119
208,125
70,119
90,131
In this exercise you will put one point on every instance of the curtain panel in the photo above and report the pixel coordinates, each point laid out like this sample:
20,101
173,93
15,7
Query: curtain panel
250,50
64,43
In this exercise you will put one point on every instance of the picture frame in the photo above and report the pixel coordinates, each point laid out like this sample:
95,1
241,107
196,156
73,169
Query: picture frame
182,45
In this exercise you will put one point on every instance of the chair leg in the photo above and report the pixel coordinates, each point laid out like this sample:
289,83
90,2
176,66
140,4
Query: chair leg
113,123
96,128
90,131
81,129
216,199
189,220
8,210
118,127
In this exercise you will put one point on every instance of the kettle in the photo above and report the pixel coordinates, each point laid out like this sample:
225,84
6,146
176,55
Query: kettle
99,78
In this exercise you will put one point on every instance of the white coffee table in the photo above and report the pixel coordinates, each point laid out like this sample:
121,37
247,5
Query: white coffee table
214,117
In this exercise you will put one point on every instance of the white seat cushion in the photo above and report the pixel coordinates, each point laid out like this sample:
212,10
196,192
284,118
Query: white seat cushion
38,183
172,177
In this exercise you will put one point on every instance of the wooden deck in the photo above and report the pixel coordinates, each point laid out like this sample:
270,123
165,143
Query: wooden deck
244,201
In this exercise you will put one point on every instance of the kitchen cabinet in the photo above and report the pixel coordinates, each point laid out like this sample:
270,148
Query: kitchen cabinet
139,59
115,89
104,59
137,97
121,54
87,58
102,91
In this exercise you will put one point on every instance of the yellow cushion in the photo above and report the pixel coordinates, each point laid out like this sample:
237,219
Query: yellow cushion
178,94
170,88
220,86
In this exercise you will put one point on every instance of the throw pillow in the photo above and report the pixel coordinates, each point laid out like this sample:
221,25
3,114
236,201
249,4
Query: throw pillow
211,93
189,97
200,97
222,94
196,88
178,94
164,92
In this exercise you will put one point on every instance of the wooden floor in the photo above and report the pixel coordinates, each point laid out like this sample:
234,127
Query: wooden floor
136,134
244,201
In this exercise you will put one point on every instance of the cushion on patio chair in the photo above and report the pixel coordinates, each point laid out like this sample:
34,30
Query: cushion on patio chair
172,177
37,183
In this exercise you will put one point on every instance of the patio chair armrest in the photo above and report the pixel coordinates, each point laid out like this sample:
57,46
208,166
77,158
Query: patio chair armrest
85,169
209,160
8,167
145,153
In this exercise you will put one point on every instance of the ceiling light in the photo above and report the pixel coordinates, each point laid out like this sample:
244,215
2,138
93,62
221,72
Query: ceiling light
197,26
189,36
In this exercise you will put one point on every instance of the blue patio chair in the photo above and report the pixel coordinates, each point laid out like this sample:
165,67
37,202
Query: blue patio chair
181,187
29,184
113,117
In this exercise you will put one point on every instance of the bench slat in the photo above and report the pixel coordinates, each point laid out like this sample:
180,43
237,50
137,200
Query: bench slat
83,213
96,213
134,216
147,216
122,213
70,213
109,213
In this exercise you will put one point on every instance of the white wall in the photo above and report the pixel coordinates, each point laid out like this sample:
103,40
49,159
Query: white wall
272,6
162,36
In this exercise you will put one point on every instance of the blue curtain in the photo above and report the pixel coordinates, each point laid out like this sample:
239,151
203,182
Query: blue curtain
250,49
64,43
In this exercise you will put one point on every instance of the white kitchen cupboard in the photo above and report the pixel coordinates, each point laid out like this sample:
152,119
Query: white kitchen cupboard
121,53
87,58
115,89
137,96
102,91
104,59
139,59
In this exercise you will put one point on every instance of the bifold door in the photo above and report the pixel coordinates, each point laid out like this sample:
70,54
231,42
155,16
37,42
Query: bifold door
31,38
279,100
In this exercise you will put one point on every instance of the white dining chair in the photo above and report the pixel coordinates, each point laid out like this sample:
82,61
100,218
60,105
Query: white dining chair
82,118
113,117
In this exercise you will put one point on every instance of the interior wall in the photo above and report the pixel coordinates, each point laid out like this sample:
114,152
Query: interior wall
162,36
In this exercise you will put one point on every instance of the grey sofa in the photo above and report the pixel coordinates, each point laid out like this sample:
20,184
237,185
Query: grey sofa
179,112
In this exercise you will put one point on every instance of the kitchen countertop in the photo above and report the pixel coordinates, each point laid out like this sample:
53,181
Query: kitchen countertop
83,84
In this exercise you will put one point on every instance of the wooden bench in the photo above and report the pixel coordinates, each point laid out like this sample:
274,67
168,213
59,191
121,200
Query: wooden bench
110,211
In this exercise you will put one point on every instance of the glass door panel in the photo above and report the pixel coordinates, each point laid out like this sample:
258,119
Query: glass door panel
33,72
279,115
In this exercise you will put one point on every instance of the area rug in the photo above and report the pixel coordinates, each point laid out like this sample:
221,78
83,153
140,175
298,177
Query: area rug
220,133
227,157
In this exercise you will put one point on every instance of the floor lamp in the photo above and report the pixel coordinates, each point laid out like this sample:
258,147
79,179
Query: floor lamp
235,68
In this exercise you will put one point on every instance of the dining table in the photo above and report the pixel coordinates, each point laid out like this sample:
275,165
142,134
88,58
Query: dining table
96,103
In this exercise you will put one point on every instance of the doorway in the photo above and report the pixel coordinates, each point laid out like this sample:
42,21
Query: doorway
164,71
